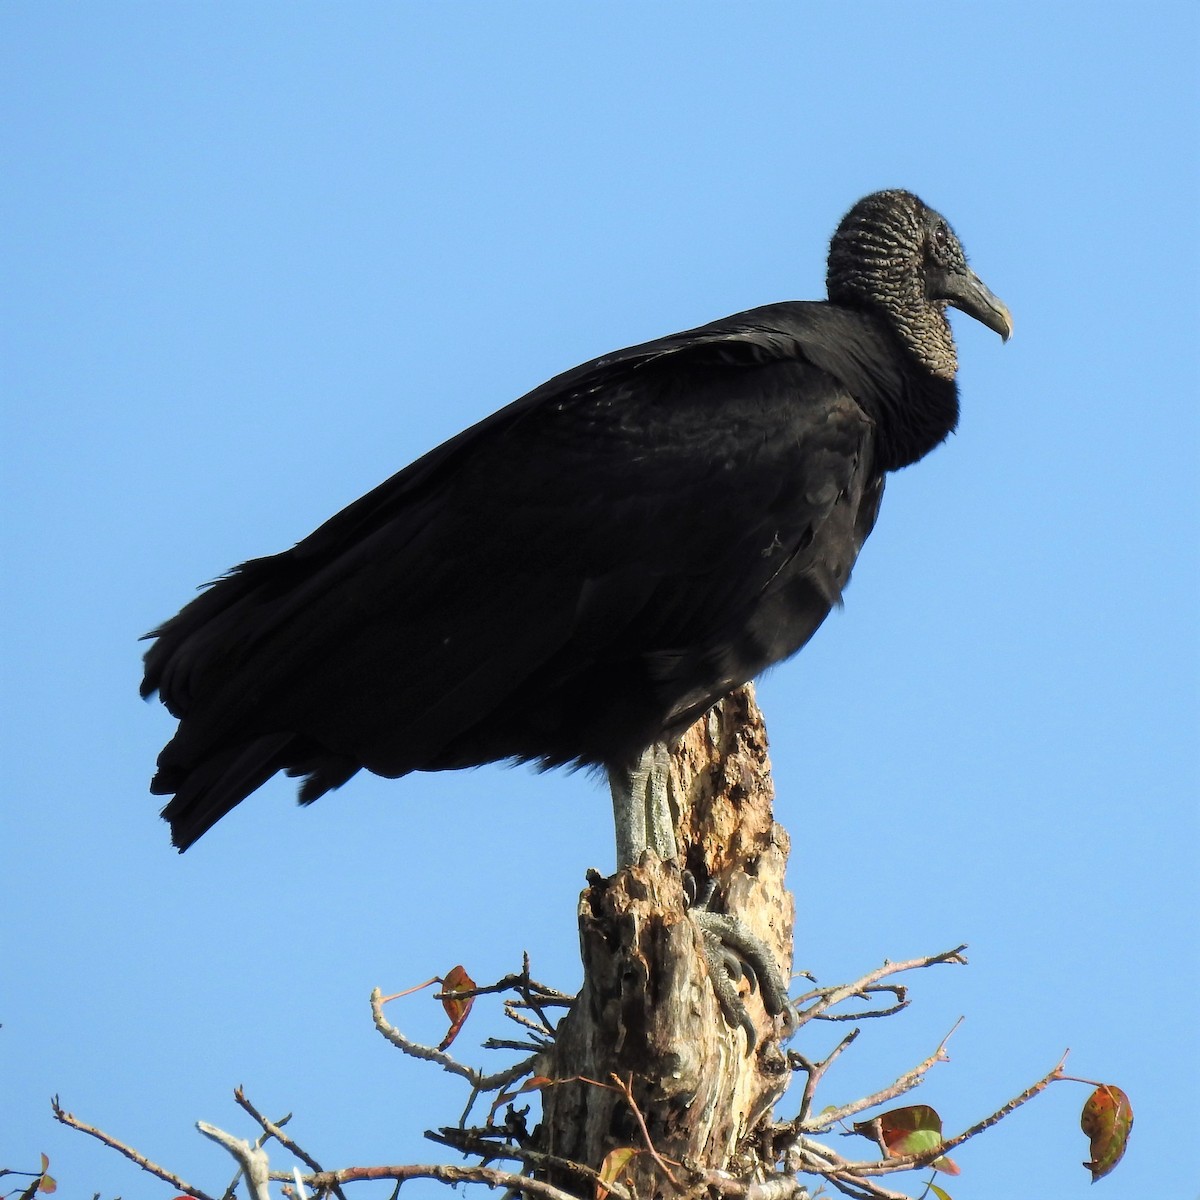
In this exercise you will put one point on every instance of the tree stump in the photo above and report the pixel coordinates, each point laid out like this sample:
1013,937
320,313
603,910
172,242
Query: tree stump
647,1012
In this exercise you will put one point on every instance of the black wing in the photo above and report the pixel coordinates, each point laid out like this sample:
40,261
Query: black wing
576,576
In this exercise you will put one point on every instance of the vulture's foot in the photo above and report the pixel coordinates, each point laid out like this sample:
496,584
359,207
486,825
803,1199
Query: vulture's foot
734,952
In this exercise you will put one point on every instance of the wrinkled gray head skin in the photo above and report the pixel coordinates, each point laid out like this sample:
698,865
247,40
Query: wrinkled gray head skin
894,253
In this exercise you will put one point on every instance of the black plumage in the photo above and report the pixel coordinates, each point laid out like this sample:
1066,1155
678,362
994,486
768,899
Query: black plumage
587,570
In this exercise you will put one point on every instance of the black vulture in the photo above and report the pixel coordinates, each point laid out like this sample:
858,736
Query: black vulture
579,576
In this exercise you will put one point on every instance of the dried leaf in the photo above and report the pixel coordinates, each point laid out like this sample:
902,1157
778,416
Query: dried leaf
48,1184
456,980
45,1164
611,1169
940,1193
1107,1119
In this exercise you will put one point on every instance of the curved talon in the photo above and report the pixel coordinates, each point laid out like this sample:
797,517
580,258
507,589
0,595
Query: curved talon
715,954
748,973
703,899
734,967
738,936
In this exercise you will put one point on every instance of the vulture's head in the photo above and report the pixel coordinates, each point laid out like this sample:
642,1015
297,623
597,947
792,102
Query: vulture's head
895,255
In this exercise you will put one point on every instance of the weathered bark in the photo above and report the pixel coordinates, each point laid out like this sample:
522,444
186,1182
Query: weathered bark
647,1011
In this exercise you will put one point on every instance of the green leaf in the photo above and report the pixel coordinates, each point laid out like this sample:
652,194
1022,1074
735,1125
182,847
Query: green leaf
914,1129
915,1142
1107,1119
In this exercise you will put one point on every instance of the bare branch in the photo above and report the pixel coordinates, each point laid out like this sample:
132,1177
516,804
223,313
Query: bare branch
826,998
854,1178
775,1187
818,1159
815,1071
504,1044
473,1141
541,1026
520,982
253,1160
899,991
1022,1098
638,947
441,1174
274,1129
909,1080
479,1081
133,1155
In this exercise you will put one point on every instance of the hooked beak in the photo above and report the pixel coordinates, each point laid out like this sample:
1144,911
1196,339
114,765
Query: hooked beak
967,292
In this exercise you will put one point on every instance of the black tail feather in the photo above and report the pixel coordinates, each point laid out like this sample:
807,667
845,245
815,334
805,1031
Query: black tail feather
204,793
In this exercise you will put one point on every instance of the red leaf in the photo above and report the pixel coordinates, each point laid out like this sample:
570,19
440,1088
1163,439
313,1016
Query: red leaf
893,1127
456,980
914,1129
1107,1119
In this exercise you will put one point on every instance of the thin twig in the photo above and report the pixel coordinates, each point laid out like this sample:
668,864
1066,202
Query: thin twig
999,1115
260,1141
815,1071
540,1026
470,1141
441,1174
504,1044
626,1090
133,1155
840,1171
252,1158
826,998
818,1159
909,1080
517,982
274,1129
863,1014
479,1081
774,1187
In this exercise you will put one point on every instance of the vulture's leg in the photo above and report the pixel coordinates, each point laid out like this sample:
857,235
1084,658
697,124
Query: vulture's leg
641,809
643,819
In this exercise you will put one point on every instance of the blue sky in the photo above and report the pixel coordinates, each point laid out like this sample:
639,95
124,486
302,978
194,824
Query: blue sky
259,256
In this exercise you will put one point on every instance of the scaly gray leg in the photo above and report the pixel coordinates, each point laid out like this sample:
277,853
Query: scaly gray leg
642,809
